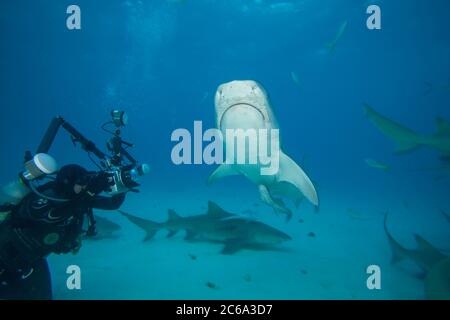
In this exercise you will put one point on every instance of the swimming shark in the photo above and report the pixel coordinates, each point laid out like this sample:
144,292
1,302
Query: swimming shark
216,225
244,105
332,44
377,165
408,140
296,79
425,256
435,265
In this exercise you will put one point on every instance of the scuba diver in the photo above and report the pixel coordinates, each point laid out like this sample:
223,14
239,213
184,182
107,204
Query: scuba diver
37,220
47,221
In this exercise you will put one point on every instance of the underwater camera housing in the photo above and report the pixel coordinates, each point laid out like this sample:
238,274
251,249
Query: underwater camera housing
122,169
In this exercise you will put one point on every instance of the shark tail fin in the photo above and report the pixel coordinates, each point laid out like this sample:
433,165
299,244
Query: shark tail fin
405,139
148,226
396,256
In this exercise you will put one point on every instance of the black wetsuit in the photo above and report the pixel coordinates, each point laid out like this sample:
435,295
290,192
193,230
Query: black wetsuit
34,229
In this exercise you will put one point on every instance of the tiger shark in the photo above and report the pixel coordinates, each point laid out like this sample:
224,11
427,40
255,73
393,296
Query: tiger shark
216,225
245,106
435,265
406,139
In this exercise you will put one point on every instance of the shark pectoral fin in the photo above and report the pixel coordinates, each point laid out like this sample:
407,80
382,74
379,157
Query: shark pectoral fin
276,204
190,235
223,170
291,173
232,246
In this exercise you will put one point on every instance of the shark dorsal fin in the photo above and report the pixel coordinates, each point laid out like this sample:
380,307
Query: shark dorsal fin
215,210
173,215
443,126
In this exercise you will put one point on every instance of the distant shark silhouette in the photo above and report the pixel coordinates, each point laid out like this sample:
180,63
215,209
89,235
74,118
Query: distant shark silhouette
435,264
332,44
407,140
216,225
446,215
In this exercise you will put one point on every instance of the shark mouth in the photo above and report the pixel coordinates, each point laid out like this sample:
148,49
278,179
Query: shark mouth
264,117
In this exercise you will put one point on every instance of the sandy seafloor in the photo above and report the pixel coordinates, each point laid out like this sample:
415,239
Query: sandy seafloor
331,265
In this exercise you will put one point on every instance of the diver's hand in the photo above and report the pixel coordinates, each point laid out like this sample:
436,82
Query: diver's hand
100,183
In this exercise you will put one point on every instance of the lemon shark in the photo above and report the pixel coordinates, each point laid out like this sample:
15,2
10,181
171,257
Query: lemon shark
406,139
435,265
216,225
245,105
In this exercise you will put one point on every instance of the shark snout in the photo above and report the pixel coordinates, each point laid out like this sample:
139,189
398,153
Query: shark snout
288,237
285,237
239,89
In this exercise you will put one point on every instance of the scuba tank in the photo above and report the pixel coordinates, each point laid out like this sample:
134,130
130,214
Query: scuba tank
12,193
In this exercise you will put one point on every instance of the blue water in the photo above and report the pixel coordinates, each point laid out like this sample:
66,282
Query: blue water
162,62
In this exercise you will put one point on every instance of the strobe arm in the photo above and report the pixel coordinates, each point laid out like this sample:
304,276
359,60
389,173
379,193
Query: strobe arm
52,130
128,156
50,135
